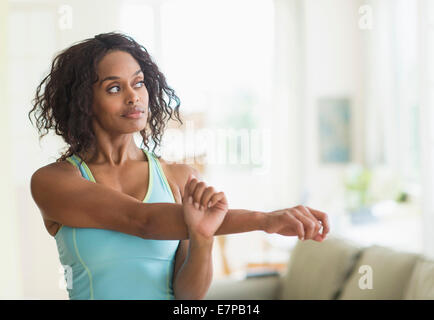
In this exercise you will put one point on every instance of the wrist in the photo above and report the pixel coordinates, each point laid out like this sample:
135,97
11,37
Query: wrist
198,238
261,218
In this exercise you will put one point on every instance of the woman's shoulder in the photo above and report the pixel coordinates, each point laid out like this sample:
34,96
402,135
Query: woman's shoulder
56,170
179,169
61,166
179,172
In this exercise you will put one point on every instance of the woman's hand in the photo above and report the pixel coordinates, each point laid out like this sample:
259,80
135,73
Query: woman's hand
204,208
304,222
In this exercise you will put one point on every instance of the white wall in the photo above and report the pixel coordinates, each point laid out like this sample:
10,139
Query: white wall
333,64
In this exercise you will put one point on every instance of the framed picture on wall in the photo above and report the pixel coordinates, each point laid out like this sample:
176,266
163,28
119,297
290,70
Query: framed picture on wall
334,130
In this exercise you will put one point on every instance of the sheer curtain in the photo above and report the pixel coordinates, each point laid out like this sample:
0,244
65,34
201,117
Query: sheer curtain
378,70
393,109
392,87
426,31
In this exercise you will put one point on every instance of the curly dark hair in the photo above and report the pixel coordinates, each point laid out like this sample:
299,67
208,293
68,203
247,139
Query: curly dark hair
65,104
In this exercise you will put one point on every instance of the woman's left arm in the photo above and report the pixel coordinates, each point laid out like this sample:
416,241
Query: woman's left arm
194,276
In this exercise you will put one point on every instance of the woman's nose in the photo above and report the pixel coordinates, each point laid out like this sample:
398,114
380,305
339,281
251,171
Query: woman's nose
132,97
133,100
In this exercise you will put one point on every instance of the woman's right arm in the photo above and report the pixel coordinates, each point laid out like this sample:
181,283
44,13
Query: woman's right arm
64,196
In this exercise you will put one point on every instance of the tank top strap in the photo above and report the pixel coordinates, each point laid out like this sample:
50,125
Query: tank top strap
158,172
84,170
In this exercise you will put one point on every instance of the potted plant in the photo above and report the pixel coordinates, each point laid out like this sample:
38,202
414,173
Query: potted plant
359,202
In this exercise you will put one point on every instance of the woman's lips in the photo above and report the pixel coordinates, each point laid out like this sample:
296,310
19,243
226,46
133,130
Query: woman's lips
135,115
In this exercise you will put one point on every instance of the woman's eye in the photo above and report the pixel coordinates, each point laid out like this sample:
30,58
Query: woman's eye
110,90
142,82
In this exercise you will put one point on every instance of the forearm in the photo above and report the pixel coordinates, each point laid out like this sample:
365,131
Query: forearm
195,275
241,220
165,221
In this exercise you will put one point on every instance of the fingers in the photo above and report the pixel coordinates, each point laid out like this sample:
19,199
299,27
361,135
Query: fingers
218,197
197,194
316,224
194,188
206,196
307,222
299,226
203,196
312,221
321,216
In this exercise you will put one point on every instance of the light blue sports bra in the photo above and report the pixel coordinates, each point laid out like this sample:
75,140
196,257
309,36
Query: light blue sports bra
106,264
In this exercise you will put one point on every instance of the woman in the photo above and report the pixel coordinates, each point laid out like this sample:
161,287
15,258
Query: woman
128,230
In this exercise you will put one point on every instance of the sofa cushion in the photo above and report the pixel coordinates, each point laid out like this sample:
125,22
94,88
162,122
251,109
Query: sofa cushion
317,270
421,284
381,273
256,288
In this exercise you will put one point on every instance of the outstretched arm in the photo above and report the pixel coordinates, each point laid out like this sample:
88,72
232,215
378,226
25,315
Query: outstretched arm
171,225
304,222
66,198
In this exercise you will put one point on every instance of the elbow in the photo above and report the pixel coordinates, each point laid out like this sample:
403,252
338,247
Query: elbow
189,296
182,294
190,293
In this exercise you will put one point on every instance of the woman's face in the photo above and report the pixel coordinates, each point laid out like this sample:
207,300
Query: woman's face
120,89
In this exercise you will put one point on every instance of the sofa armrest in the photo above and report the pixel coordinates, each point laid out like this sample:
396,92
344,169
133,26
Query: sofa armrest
254,288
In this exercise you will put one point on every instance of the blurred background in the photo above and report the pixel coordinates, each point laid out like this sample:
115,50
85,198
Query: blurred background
285,102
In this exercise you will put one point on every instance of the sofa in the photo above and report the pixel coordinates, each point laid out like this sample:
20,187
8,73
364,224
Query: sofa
337,269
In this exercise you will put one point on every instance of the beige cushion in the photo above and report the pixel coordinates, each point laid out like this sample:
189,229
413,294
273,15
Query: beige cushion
258,288
421,284
389,271
316,270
